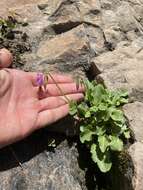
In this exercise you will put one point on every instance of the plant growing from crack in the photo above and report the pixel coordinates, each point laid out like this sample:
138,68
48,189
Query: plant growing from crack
103,127
7,26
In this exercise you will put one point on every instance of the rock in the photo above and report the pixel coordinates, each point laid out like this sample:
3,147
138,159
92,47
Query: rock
25,13
112,31
63,43
136,153
6,5
96,39
46,170
64,36
120,18
38,22
122,68
28,13
65,15
126,18
90,11
134,115
109,4
128,173
67,51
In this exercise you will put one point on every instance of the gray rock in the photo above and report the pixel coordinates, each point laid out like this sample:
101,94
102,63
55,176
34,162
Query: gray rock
130,163
67,51
6,5
134,114
46,170
120,18
136,152
66,14
122,68
65,35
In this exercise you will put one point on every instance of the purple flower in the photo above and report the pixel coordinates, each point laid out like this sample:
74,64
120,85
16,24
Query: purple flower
40,79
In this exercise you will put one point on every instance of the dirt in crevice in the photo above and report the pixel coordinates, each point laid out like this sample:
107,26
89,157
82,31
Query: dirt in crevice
17,42
17,48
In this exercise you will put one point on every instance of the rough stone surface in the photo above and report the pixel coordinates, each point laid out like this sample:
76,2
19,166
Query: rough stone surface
122,68
136,152
134,114
46,170
70,49
69,13
6,6
105,39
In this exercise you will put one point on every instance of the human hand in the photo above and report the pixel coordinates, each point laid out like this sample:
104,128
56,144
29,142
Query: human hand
22,108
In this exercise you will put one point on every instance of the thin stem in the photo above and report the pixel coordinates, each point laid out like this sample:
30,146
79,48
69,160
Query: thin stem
68,100
15,156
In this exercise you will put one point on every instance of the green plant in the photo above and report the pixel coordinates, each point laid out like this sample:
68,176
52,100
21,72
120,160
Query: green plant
7,26
102,123
103,126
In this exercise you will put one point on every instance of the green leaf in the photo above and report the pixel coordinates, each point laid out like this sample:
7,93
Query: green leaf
88,85
82,109
119,97
105,164
93,109
124,93
86,135
82,128
127,134
87,114
124,101
102,107
103,143
98,93
116,115
89,90
72,108
105,115
100,130
123,127
93,151
103,160
116,144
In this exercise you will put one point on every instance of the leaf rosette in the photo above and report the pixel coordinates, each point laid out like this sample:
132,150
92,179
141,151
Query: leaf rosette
103,127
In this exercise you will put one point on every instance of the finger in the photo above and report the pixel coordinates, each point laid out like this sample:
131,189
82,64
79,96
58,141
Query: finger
54,102
50,116
58,78
62,89
5,58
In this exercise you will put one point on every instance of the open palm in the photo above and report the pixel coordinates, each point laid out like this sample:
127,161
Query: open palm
23,110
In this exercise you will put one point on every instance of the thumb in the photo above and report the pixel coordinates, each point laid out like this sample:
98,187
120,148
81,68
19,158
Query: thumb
5,58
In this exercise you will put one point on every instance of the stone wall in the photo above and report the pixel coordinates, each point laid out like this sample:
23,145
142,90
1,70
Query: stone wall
99,38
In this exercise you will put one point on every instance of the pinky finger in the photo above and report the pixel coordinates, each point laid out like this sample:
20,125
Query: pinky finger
50,116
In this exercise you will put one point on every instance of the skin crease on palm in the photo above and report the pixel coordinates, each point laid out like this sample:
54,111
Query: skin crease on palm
22,110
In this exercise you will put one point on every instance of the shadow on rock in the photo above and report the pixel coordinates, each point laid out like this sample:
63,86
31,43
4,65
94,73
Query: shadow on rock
28,148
